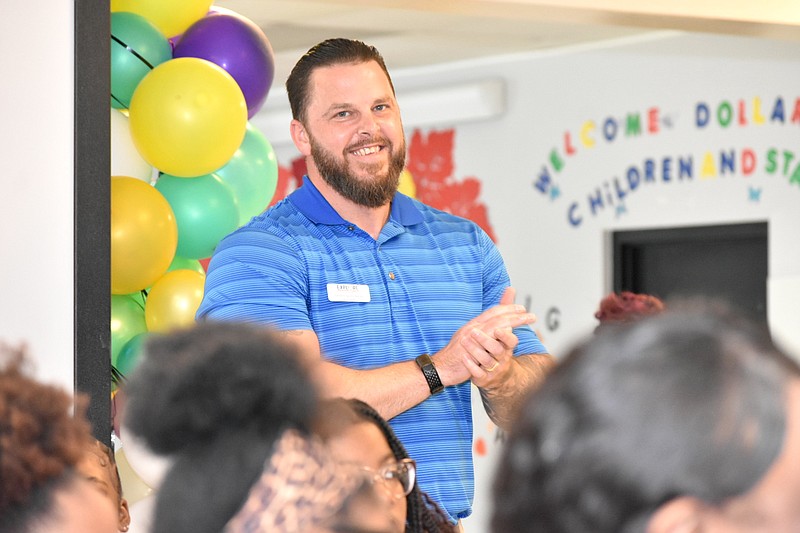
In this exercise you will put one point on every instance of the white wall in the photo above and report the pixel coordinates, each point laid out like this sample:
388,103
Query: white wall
555,264
36,225
560,265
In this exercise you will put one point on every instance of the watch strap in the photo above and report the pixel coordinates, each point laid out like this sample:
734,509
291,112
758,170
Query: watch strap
425,364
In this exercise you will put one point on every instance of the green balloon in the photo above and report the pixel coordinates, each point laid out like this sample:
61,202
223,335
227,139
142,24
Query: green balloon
129,355
138,297
127,321
205,211
182,263
137,47
252,174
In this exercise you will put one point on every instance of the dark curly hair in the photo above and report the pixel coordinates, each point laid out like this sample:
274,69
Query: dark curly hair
41,441
215,397
423,515
690,402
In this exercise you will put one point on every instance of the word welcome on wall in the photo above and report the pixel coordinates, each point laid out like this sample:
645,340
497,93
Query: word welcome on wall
610,194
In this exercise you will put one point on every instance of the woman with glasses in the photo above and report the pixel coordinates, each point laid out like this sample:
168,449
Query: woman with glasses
356,433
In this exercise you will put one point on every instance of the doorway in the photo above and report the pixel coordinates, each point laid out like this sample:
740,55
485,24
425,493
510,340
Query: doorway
724,262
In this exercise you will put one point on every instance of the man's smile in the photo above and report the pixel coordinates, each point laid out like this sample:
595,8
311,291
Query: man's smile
367,150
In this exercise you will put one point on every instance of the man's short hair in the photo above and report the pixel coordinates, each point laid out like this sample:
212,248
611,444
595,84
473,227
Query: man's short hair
325,54
688,402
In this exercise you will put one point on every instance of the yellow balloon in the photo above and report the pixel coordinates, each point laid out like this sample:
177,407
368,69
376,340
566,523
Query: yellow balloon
169,16
144,235
173,300
188,117
407,185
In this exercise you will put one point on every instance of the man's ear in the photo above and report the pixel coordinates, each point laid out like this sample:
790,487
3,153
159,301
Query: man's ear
300,137
679,515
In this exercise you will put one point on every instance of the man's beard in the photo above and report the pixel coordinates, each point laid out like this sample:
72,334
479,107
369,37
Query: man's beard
373,192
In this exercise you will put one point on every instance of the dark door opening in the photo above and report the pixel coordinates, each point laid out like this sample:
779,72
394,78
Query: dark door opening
726,262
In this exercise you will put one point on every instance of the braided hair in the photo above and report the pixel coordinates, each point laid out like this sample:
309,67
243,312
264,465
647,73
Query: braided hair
423,515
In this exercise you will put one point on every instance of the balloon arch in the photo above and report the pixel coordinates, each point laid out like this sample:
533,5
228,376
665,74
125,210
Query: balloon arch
187,168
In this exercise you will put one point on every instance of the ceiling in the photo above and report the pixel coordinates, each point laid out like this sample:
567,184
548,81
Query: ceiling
420,33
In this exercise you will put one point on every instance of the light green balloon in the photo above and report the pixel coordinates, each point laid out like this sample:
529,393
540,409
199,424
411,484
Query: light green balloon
205,211
252,174
127,321
137,46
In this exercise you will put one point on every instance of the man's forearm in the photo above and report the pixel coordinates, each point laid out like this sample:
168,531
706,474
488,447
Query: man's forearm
502,403
390,390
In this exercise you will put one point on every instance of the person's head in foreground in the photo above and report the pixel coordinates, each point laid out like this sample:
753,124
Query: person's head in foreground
99,466
357,434
346,120
41,441
304,490
626,307
232,404
688,421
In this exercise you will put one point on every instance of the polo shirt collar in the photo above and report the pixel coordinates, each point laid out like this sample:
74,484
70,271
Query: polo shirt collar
309,201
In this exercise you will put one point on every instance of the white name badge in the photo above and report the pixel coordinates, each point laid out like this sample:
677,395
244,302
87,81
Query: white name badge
347,292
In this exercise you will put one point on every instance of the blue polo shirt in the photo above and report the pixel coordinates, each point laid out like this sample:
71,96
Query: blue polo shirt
372,303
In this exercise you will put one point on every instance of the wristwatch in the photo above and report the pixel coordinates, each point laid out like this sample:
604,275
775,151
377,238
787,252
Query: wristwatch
425,364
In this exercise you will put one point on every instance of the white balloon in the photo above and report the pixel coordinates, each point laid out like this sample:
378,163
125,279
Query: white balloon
133,487
142,515
148,465
125,158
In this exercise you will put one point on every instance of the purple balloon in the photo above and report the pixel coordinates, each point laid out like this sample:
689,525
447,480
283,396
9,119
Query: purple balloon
236,44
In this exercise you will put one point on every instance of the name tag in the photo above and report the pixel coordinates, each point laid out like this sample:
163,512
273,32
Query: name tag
346,292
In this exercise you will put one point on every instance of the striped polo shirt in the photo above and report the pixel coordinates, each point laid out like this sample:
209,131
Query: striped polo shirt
426,275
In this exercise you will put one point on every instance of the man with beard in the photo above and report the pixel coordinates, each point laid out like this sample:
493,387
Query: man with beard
403,304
